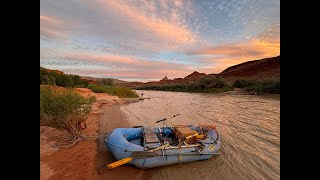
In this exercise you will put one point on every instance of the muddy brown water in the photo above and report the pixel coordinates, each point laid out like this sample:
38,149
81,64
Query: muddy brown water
249,128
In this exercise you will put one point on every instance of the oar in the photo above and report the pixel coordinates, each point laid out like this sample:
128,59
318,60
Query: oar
150,153
164,119
129,159
141,154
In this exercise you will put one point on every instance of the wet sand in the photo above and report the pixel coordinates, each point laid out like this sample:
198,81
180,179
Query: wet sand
111,118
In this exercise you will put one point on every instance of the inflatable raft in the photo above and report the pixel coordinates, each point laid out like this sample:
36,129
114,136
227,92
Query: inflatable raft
149,147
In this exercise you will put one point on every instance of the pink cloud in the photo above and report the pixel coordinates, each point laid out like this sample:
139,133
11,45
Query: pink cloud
171,30
255,47
49,20
120,60
50,27
126,66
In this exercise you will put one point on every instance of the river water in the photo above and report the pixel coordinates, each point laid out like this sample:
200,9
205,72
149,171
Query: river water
249,127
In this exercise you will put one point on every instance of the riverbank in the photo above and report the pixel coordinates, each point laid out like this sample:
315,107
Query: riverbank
218,85
112,118
78,161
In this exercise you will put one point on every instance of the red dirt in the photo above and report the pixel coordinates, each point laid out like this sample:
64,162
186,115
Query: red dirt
76,162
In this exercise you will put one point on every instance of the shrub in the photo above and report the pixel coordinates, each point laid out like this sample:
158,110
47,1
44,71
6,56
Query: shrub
241,83
270,86
205,84
97,88
64,109
211,82
64,80
105,82
113,90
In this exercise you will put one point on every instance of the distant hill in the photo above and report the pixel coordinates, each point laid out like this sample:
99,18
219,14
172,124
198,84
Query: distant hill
50,70
266,68
90,80
194,76
253,70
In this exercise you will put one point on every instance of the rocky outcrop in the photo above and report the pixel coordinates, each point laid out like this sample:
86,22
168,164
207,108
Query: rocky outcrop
253,70
194,76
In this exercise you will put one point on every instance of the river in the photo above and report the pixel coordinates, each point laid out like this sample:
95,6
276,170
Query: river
249,127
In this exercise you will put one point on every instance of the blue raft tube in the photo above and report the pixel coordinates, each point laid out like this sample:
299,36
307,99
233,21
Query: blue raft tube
123,142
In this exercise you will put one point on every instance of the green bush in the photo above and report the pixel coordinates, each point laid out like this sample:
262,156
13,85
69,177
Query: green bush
211,82
205,84
63,109
241,83
97,88
113,90
64,80
105,82
270,86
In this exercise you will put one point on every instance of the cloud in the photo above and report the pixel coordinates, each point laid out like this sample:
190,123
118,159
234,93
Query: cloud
97,65
254,47
218,58
49,20
122,37
137,24
50,28
146,21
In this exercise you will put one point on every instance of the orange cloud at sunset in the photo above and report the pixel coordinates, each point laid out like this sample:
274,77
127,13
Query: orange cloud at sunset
255,48
232,54
115,59
173,31
129,66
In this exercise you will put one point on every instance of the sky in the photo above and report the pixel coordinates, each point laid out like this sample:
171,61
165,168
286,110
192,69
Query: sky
145,40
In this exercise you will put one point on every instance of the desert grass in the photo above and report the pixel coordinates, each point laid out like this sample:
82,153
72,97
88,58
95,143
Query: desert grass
122,92
64,110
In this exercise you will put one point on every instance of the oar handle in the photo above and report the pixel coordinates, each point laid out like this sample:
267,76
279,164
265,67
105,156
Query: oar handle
164,119
175,115
191,136
161,120
119,163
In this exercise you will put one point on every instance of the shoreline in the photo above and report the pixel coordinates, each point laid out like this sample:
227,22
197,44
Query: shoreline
80,160
113,117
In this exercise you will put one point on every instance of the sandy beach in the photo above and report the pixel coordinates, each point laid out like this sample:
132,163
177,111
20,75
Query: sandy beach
79,161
